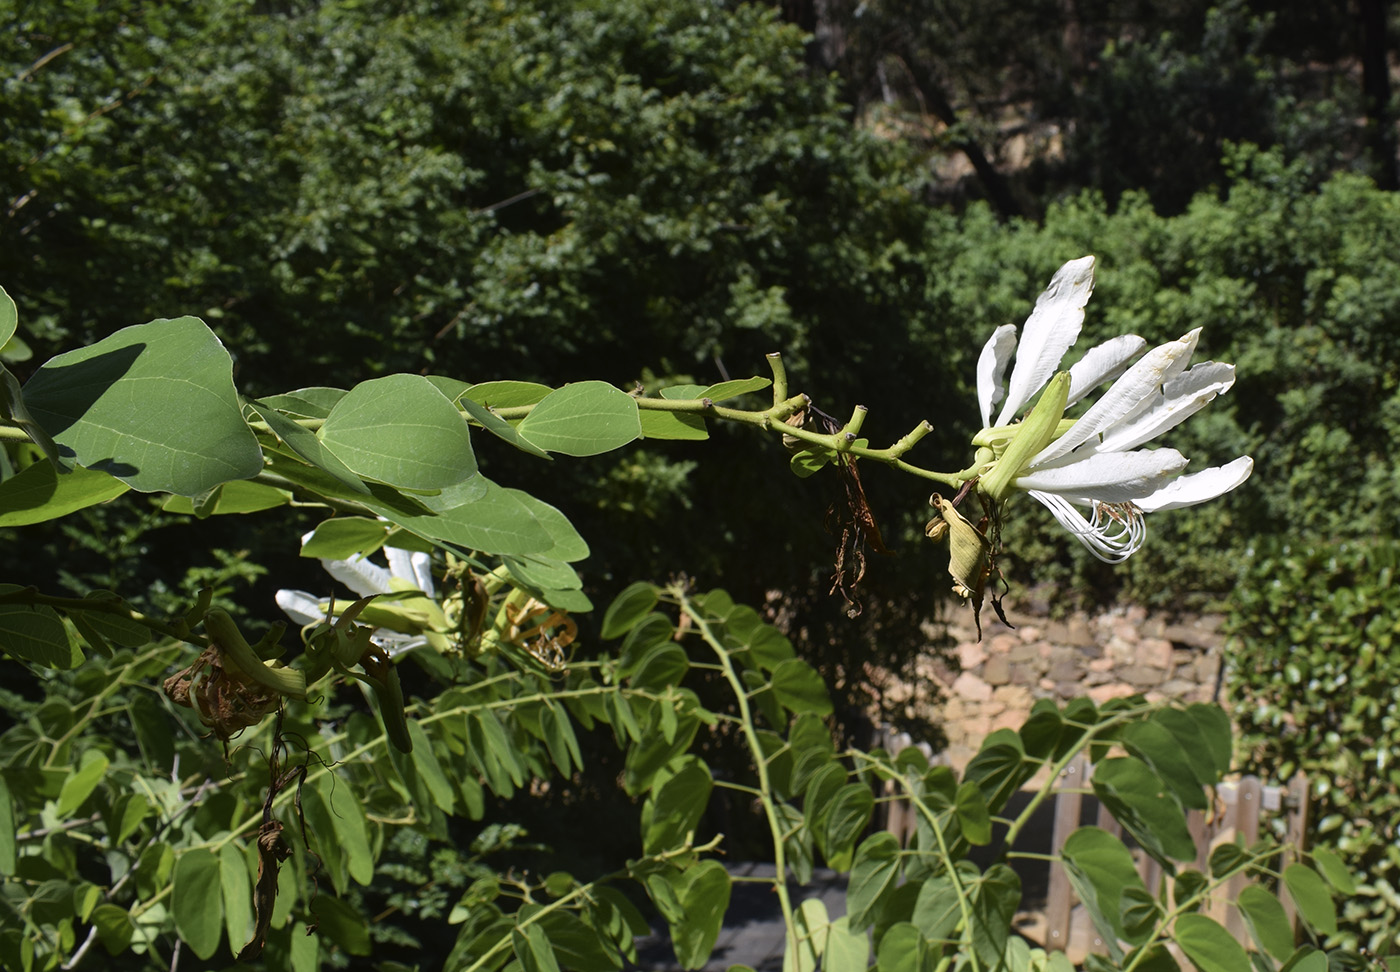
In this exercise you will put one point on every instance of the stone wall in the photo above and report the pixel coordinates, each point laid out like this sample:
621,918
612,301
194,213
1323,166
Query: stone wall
992,683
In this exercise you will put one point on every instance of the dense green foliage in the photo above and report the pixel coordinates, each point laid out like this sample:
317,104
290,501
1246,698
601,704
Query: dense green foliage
1313,670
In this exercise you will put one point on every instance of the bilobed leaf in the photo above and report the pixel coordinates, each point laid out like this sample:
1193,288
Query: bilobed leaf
665,664
1209,946
1101,869
902,949
846,951
995,898
703,891
844,820
39,492
114,927
154,405
306,444
873,876
583,419
197,901
812,925
1158,748
79,786
973,816
1268,922
543,573
35,634
799,688
936,909
1311,896
569,546
238,895
1215,728
1142,803
677,805
999,768
341,537
629,607
1193,740
400,430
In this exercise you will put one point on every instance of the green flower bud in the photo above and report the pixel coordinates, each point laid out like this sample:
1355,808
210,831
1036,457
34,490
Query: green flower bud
1032,435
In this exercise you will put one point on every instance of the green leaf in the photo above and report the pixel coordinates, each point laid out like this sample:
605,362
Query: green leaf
35,634
583,419
703,892
9,317
305,443
39,492
725,390
197,901
569,546
341,923
1311,896
351,828
1334,870
1141,802
532,949
79,786
657,424
995,900
798,687
1101,869
999,768
1215,728
1309,959
1208,945
1157,747
341,537
13,409
237,886
936,909
315,402
843,821
400,430
812,925
677,806
7,830
973,816
1193,740
805,462
629,607
153,404
903,949
114,927
429,769
507,394
543,573
239,496
665,664
873,878
498,426
1267,921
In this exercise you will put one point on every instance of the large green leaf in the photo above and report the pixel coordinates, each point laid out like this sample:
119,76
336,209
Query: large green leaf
351,828
703,891
79,786
9,317
400,430
239,496
873,876
995,898
7,830
39,492
569,546
1208,945
1268,922
1157,747
583,419
341,537
153,404
1144,805
1311,896
677,806
798,687
197,901
972,813
498,426
237,886
35,634
903,949
1101,869
1334,870
507,394
844,820
629,607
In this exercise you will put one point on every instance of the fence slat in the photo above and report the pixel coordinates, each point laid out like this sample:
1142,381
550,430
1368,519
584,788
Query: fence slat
1059,896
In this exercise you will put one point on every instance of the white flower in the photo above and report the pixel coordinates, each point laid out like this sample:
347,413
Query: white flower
1094,461
407,571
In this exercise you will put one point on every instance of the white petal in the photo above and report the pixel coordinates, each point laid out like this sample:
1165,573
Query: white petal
1178,400
1128,397
358,574
1101,364
1050,330
1110,539
300,606
1109,477
991,368
412,566
1198,487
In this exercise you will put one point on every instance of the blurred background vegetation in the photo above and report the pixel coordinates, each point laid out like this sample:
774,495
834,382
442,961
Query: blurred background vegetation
665,190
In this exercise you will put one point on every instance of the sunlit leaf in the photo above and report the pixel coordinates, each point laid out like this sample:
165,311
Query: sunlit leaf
583,419
400,430
1311,896
1208,945
39,492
